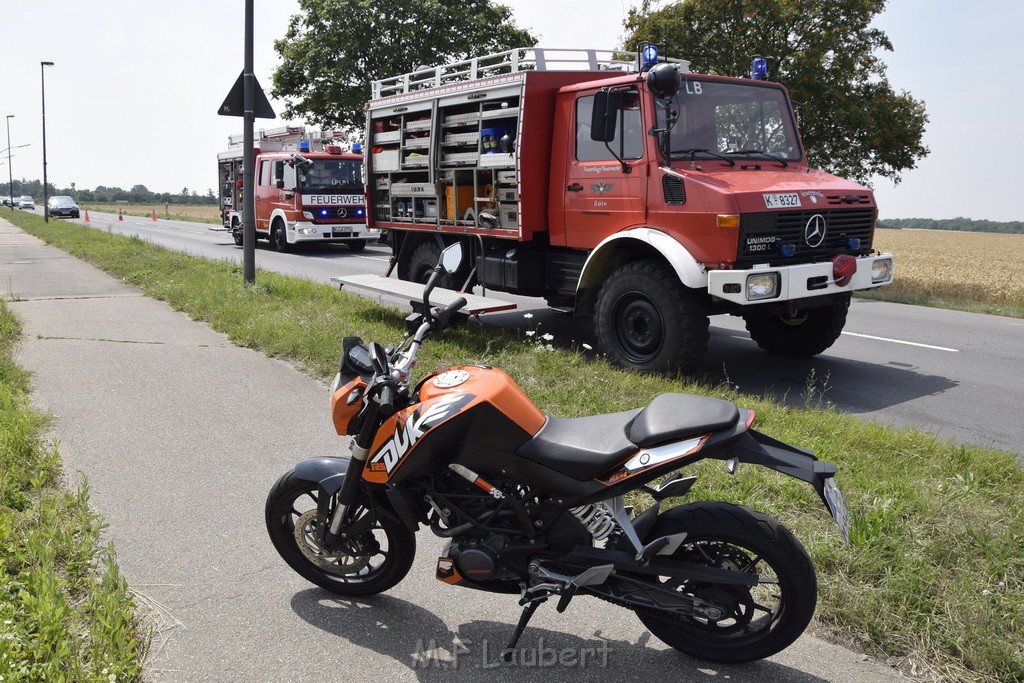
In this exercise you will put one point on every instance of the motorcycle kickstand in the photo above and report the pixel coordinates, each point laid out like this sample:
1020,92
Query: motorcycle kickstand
509,652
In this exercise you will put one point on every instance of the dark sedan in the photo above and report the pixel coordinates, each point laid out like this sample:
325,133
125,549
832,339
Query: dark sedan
62,207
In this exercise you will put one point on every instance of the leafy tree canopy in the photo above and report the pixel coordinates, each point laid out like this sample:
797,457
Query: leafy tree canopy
826,54
334,49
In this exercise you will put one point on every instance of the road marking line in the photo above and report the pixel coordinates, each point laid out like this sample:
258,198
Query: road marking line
900,341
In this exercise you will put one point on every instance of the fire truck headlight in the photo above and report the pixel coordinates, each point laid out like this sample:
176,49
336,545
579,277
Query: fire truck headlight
307,231
308,215
762,286
881,270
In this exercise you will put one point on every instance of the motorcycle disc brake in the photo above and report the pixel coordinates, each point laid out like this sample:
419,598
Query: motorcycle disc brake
334,561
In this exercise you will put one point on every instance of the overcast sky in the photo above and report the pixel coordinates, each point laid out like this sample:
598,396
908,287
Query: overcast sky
133,94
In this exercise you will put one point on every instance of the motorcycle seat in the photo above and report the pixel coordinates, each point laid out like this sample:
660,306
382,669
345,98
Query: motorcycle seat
673,417
582,447
586,447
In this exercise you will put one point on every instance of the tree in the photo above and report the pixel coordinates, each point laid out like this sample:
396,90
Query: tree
825,52
334,49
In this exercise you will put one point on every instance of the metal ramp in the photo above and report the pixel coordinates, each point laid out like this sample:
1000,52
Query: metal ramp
413,292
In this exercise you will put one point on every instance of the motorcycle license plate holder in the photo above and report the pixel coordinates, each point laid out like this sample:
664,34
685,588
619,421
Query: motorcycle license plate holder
802,465
837,506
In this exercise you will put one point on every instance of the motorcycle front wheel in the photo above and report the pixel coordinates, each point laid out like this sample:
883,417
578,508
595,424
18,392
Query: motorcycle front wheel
370,562
756,622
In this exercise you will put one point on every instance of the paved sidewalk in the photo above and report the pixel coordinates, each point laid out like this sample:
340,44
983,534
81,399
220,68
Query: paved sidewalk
181,435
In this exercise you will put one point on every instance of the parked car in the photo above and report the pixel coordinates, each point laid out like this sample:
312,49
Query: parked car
26,202
8,200
63,206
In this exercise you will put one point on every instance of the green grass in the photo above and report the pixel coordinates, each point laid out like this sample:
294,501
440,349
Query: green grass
65,611
935,575
925,298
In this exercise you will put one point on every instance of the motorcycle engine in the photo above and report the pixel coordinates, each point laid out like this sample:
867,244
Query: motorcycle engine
477,557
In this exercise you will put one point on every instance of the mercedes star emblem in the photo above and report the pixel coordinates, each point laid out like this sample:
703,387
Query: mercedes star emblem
814,231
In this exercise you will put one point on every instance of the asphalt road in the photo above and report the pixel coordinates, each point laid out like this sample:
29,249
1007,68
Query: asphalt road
948,372
181,435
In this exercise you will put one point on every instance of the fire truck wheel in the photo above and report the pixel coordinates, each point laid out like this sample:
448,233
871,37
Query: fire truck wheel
646,319
277,237
802,336
356,245
236,235
422,263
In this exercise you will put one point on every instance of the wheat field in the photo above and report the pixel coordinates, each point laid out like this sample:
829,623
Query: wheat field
981,267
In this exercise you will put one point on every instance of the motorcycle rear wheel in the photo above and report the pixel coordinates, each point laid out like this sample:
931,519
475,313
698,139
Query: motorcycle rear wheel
370,563
758,621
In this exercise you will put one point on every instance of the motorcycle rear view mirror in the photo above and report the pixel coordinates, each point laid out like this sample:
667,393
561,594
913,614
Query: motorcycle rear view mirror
451,257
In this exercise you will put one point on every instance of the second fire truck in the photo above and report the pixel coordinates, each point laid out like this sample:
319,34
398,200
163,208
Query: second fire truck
308,189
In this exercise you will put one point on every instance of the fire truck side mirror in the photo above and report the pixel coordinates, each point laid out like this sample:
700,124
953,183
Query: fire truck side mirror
605,115
279,175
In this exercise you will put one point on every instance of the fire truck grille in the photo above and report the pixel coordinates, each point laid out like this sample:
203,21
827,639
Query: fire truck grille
803,236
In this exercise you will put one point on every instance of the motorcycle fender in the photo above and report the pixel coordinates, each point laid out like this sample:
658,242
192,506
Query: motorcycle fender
327,472
761,449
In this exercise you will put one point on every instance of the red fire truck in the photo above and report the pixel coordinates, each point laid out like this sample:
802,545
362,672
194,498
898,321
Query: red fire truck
309,189
634,192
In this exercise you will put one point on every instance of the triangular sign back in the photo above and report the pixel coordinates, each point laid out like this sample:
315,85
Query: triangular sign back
234,103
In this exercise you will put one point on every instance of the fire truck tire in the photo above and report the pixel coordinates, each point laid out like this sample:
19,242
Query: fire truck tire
802,336
278,239
647,320
422,263
356,245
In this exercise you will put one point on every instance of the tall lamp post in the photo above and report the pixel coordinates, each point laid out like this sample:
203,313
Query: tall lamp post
42,79
10,173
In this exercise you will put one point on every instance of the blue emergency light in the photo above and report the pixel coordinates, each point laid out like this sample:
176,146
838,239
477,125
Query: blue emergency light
787,250
649,56
759,68
357,147
303,145
323,212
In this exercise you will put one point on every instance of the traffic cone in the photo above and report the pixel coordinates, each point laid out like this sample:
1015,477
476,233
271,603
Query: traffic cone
153,216
119,216
86,215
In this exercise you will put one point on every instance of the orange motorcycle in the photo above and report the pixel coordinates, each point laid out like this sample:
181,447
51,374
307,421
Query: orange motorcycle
532,505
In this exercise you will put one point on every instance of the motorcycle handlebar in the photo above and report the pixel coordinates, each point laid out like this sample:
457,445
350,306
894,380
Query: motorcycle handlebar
447,311
386,400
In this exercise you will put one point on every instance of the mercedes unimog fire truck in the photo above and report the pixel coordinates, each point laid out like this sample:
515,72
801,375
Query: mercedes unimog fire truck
308,189
635,192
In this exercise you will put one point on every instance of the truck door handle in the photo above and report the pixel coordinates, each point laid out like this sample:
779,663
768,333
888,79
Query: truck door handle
575,187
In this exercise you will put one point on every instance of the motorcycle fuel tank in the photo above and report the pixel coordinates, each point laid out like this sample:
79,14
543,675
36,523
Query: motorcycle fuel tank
468,414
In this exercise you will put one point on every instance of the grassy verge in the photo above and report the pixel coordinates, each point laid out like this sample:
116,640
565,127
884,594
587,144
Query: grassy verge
934,576
65,611
918,295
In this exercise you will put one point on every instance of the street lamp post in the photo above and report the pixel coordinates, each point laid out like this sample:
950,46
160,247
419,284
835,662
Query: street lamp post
42,79
10,173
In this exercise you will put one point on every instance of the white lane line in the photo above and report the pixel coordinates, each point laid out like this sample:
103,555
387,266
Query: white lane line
900,341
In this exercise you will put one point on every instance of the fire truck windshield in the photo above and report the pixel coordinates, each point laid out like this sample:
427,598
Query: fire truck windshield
741,120
331,175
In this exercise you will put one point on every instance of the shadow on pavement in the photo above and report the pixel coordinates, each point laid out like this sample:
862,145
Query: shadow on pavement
417,640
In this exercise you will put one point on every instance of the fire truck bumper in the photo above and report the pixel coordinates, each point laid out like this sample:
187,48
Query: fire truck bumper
306,231
765,284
